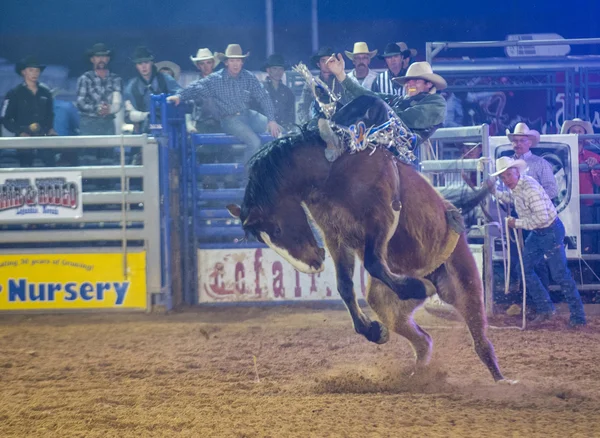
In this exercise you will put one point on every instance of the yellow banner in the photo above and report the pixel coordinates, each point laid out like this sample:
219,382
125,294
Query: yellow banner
72,281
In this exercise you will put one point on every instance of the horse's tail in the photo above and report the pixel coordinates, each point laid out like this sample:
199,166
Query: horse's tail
464,198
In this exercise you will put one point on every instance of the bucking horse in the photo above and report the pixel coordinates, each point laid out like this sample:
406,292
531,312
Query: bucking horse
379,208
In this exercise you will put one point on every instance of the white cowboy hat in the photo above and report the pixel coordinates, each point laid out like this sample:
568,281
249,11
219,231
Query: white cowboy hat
422,70
522,130
204,55
505,162
568,124
233,51
360,48
170,65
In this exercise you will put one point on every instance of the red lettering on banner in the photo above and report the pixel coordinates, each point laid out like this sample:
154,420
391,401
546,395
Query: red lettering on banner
363,287
240,284
297,289
278,289
313,283
328,291
257,270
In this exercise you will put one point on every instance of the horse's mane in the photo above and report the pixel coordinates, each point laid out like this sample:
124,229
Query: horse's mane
269,165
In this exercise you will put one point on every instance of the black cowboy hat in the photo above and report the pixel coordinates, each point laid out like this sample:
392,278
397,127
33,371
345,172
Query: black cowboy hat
141,54
393,49
323,51
28,61
274,60
98,49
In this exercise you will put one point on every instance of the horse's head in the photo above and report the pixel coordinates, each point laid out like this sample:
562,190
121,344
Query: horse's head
285,229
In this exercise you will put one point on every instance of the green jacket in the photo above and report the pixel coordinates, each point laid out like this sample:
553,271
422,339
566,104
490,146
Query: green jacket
423,113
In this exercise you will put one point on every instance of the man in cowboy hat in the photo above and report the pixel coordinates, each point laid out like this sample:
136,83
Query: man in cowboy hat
205,61
395,56
420,109
523,139
588,178
232,90
361,58
98,94
204,114
138,90
307,108
283,98
545,241
28,108
169,68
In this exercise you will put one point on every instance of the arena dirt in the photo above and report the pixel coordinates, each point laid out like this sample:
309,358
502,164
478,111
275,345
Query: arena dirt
286,372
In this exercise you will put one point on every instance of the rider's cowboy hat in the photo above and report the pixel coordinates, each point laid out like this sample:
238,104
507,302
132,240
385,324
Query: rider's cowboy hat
568,124
233,51
323,51
98,49
204,54
28,61
171,66
360,48
422,70
522,130
141,54
504,163
400,48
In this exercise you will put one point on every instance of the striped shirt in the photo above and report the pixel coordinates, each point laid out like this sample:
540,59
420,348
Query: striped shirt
386,85
540,170
534,207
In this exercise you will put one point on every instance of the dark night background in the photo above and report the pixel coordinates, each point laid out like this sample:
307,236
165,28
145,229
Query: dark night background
59,31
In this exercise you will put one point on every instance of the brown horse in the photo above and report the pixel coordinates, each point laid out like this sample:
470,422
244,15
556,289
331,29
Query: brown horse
384,211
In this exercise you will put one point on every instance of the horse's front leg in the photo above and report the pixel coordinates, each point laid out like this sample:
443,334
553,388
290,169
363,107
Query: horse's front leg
374,331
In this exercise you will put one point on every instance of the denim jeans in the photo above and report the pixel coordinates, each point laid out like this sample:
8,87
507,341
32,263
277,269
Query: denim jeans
246,126
548,244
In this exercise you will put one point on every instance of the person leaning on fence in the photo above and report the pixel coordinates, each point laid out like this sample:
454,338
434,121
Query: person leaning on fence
232,90
28,109
281,95
99,94
204,116
545,241
148,81
588,179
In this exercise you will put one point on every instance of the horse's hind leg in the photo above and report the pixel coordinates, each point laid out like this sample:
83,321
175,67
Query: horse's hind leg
397,315
458,283
343,258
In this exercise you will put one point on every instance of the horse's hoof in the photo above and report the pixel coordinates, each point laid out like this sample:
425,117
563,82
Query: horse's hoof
507,382
377,333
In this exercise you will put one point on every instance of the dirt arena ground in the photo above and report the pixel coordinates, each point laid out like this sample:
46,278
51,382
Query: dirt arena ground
285,372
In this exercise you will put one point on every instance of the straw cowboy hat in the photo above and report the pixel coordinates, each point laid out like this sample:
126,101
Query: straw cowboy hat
233,51
28,61
522,130
360,48
171,66
422,70
504,163
568,124
393,49
204,55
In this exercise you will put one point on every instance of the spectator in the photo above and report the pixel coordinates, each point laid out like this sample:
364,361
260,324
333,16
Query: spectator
307,109
147,82
361,58
28,109
169,68
394,56
281,95
232,89
205,113
587,179
545,241
98,94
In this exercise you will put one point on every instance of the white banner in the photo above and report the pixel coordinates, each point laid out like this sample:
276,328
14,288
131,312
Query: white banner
230,275
35,195
562,152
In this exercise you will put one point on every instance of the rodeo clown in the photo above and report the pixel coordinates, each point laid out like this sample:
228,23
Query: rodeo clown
420,110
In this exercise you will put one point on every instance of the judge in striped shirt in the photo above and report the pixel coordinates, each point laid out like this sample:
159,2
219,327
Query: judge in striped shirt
397,56
546,241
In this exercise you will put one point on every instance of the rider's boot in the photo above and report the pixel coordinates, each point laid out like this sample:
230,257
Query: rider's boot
335,146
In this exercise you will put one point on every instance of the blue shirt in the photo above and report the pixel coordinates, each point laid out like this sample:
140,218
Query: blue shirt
231,95
66,118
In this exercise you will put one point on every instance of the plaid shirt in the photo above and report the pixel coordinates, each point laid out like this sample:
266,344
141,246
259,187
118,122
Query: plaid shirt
92,91
533,205
540,170
230,95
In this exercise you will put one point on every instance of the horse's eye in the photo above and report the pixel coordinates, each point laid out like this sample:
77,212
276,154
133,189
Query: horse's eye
277,232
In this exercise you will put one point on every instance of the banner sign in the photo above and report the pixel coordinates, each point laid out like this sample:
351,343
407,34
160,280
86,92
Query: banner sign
26,195
229,275
72,281
562,152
